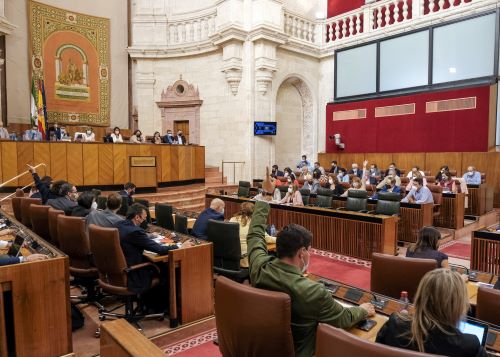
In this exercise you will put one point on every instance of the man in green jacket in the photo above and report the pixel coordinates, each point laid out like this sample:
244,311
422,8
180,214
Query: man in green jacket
311,302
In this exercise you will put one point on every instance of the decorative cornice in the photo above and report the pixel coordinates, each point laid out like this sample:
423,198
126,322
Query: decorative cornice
6,27
192,49
267,33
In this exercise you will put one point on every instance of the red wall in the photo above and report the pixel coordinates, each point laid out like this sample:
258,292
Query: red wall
337,7
465,130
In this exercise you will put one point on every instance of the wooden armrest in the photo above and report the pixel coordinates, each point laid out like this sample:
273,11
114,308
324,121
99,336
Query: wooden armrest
341,209
370,212
141,266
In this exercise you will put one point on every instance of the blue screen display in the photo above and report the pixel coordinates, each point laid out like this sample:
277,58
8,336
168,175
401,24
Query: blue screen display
264,128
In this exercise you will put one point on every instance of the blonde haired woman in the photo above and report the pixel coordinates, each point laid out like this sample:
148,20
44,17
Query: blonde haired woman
440,303
293,196
244,217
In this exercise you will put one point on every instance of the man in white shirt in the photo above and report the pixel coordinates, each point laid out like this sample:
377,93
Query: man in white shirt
413,171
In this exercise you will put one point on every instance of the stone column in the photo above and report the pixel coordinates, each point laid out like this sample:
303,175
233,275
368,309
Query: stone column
145,83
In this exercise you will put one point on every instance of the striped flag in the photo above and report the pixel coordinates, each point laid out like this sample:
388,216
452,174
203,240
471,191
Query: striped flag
45,116
34,101
42,128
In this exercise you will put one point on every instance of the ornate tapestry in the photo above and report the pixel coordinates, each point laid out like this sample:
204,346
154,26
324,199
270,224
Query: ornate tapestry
70,51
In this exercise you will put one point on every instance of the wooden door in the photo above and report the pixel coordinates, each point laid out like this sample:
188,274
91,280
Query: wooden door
182,125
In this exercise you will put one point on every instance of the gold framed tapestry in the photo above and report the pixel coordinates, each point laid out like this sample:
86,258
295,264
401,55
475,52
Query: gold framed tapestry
70,51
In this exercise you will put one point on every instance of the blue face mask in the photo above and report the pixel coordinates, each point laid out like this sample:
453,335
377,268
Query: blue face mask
222,211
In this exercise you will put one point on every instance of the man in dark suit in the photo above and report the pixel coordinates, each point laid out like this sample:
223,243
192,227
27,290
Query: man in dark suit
392,166
66,200
334,168
134,240
169,138
356,171
181,139
276,172
215,211
42,185
128,191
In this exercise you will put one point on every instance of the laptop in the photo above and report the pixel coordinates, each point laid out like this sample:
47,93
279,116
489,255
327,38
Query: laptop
476,328
15,248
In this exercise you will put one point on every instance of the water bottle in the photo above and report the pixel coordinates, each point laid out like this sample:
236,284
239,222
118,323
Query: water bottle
272,230
404,302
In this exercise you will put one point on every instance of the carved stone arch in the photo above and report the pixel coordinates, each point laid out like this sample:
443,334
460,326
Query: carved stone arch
308,109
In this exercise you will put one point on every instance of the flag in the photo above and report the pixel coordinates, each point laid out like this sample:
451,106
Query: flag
45,116
34,100
41,116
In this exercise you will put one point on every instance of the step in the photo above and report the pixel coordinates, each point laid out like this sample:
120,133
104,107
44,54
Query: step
215,180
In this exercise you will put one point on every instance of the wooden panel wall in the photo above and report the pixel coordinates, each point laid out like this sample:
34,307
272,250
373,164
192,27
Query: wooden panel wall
91,164
487,162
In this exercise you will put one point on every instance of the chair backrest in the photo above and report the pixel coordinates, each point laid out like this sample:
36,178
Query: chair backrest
53,213
437,193
16,207
255,308
306,194
430,179
283,190
40,220
390,274
25,209
388,203
335,342
225,237
73,240
243,189
108,255
102,202
124,207
356,200
181,223
324,197
488,305
164,216
19,193
404,181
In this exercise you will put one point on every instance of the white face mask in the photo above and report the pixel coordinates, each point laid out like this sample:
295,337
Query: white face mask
470,173
94,206
330,182
341,174
286,174
89,132
222,211
290,190
355,185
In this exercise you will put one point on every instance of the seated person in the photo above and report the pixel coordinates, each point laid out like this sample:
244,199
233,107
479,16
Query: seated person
289,173
355,170
334,169
4,134
415,174
317,166
244,217
447,183
441,171
311,302
414,171
137,137
440,303
33,134
8,260
89,135
291,180
357,182
84,207
374,173
389,187
312,182
293,196
343,176
116,136
169,137
128,191
156,138
276,172
107,218
426,247
472,177
392,166
66,200
419,193
303,162
390,174
215,211
334,185
133,241
304,171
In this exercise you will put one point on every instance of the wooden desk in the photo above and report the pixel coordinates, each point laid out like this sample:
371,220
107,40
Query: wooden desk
99,164
190,282
480,199
451,211
413,217
34,303
348,233
485,251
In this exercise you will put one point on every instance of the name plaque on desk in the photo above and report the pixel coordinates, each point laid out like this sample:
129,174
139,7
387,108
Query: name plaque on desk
143,161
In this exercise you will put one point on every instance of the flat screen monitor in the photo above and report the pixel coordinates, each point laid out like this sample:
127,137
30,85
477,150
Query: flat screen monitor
474,328
265,128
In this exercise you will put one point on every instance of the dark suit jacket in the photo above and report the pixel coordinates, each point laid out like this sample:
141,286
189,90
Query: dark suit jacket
8,260
359,172
201,225
79,211
62,203
398,172
168,139
130,200
43,189
278,174
134,240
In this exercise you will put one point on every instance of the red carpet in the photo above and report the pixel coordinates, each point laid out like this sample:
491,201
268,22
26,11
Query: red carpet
456,250
344,269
